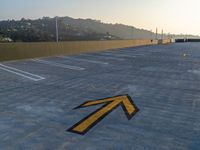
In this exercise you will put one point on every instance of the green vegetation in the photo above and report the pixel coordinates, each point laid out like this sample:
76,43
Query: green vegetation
26,30
39,30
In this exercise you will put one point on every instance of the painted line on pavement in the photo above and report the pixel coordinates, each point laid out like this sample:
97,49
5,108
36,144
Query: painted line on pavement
86,60
105,57
130,53
58,65
21,73
118,55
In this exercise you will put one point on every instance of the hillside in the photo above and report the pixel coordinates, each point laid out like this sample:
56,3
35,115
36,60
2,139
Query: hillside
119,30
70,29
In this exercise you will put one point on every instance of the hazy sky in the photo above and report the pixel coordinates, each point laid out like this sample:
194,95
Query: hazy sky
174,16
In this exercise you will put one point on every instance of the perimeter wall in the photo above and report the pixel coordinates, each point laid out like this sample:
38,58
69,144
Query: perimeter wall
14,51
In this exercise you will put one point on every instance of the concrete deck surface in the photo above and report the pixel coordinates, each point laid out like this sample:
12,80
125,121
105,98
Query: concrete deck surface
37,98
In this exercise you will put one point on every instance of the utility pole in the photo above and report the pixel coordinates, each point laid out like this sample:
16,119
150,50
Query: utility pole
56,29
156,33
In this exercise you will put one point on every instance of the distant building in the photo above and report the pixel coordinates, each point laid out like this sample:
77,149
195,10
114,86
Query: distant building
7,39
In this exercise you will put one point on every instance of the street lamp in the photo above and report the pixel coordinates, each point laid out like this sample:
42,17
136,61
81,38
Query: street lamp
56,29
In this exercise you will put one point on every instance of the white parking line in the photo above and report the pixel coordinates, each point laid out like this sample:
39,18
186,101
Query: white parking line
58,64
21,73
86,60
105,57
118,54
130,53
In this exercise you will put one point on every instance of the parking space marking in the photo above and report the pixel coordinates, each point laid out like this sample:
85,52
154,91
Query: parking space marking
105,57
118,54
21,73
58,64
86,60
130,53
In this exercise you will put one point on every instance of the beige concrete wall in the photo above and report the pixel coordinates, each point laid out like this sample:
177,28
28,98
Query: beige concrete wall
13,51
165,41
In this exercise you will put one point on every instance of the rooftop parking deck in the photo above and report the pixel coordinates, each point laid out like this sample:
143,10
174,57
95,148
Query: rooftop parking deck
37,97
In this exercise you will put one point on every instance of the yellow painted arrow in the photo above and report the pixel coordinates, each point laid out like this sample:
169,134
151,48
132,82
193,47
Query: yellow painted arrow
88,122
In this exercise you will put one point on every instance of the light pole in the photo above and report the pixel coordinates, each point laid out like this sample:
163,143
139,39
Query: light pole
156,33
56,29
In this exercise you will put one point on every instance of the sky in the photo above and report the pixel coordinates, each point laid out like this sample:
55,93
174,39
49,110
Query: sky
173,16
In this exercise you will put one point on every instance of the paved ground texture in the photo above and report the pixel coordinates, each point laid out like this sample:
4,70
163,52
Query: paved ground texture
37,98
